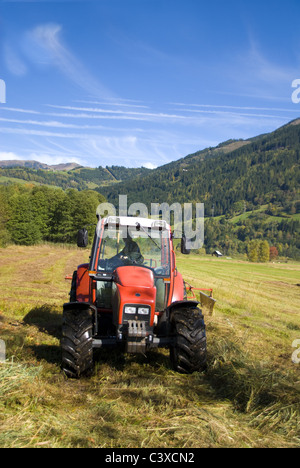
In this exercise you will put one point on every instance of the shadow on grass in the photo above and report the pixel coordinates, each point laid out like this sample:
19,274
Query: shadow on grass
48,353
248,384
46,318
118,359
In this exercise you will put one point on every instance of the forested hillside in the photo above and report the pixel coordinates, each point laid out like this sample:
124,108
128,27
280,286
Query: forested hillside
81,178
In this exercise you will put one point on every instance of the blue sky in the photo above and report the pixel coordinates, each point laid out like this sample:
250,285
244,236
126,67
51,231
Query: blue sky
143,82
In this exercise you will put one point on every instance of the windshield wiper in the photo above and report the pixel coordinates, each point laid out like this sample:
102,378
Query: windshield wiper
139,227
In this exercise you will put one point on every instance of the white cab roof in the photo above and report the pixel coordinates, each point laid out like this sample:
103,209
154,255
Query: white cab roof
132,222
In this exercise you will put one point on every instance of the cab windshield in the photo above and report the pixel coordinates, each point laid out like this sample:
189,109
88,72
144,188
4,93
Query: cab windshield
147,247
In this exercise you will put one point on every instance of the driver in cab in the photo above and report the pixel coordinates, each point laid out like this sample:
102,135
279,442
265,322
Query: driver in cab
131,251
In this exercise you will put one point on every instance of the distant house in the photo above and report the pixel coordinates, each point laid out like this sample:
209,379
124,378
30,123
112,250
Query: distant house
217,253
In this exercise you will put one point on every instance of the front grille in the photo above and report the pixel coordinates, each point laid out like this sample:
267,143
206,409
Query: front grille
137,315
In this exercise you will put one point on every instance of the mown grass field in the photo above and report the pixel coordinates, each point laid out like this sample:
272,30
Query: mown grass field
249,396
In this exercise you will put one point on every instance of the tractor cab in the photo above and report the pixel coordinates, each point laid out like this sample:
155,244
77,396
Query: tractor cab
131,247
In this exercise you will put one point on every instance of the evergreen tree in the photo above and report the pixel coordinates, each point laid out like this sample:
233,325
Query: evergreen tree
4,217
61,220
23,224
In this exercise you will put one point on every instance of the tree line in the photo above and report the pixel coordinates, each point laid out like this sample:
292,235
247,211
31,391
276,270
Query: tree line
254,237
33,214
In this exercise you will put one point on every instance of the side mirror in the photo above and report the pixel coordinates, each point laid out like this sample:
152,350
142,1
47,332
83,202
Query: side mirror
82,238
184,250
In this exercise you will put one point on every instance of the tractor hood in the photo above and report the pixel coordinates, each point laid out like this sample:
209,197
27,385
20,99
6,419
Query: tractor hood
134,276
133,285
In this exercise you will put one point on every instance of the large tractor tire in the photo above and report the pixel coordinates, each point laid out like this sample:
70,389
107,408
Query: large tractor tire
189,352
77,343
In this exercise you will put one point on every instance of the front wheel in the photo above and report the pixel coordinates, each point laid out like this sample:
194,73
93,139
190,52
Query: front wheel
77,343
189,352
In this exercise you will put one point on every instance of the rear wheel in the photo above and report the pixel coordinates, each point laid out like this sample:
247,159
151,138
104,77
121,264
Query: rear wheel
77,343
189,352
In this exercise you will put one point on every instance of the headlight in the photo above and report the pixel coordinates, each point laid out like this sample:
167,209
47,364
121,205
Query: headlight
130,310
143,311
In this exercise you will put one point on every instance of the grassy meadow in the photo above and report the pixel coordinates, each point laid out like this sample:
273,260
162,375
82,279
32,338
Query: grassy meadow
249,396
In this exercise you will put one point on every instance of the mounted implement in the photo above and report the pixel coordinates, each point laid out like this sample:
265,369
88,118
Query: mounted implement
131,296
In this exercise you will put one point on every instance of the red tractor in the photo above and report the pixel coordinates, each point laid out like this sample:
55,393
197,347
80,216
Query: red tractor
131,296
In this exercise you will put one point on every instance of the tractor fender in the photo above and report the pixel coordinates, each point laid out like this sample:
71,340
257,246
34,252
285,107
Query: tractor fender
79,307
179,288
83,283
185,303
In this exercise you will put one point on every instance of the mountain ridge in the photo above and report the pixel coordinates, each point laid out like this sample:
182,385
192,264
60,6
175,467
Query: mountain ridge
32,164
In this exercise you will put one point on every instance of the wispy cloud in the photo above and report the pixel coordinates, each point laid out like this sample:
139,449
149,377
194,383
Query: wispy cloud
22,111
264,69
165,131
120,113
43,46
196,115
13,60
52,124
45,43
118,103
250,108
253,74
44,133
